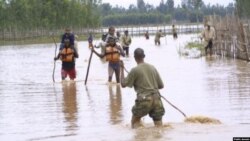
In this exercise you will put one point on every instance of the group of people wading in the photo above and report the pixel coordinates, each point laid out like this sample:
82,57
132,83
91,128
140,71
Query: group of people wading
144,77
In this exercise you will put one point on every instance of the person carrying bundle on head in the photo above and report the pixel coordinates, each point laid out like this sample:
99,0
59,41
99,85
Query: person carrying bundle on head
146,35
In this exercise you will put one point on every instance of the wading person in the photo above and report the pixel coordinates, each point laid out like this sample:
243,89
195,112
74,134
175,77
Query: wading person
67,55
174,31
118,35
112,53
146,81
158,35
126,41
90,40
208,34
146,35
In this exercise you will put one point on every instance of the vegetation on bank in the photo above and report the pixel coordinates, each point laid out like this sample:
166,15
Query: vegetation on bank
43,40
192,49
194,45
188,11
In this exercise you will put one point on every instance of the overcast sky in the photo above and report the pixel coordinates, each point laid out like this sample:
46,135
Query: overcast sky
126,3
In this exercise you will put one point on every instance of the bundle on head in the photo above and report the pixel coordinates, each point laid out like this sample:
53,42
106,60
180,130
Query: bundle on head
202,120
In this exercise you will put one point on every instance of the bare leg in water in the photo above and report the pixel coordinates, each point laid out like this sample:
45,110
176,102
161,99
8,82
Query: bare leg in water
136,122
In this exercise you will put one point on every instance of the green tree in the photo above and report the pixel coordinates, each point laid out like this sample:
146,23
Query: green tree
243,8
141,5
170,6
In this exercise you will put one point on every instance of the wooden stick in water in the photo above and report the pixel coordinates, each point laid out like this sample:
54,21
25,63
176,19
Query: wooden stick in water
174,106
53,74
87,74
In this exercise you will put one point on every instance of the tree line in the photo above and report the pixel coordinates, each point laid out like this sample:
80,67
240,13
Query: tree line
48,14
57,14
165,12
243,8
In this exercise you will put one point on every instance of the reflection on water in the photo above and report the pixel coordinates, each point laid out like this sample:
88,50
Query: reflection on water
115,104
70,105
149,134
32,107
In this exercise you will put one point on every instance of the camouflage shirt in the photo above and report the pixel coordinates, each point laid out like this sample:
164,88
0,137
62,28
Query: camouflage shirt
145,79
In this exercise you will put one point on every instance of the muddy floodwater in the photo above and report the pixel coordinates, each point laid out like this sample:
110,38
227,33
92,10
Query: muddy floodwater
33,108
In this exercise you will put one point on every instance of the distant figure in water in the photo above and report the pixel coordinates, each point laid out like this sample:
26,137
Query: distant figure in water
90,40
146,35
118,35
208,34
158,35
174,30
126,42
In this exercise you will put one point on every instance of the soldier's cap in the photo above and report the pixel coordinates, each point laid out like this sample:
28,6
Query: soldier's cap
139,53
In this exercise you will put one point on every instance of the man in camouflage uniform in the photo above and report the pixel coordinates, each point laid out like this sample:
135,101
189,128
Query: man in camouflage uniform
146,81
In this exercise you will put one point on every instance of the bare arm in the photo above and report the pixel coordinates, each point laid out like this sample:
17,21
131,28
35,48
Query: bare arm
99,55
57,57
121,50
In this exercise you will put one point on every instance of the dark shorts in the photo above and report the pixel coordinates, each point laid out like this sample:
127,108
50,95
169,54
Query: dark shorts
210,44
71,73
175,35
151,105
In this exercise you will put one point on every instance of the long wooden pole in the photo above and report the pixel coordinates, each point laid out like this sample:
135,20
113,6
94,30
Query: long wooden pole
53,74
174,106
87,74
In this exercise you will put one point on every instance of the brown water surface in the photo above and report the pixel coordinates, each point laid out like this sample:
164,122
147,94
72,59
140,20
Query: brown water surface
32,107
